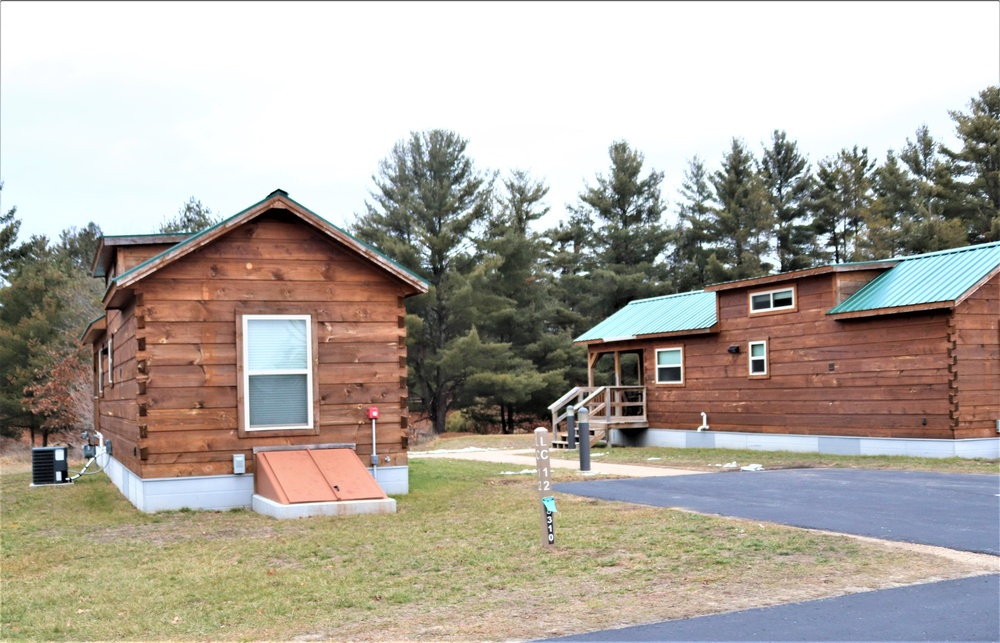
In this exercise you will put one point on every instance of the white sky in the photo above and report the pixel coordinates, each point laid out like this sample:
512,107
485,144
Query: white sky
118,112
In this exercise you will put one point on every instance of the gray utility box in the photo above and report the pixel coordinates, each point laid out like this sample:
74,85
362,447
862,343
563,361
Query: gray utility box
49,466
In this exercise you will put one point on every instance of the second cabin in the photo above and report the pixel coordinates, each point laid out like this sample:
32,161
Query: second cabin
893,357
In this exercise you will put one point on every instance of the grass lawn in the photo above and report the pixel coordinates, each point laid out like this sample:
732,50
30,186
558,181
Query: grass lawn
462,560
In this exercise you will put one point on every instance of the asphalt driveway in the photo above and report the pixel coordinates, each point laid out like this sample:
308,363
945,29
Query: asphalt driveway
956,610
948,510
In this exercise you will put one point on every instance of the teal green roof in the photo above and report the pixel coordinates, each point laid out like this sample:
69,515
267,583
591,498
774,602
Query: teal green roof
935,278
655,316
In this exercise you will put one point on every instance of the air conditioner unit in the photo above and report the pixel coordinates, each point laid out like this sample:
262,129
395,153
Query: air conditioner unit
49,466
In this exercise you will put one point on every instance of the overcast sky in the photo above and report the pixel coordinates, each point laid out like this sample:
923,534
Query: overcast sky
118,112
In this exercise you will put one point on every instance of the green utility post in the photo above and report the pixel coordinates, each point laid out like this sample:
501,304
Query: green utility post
546,500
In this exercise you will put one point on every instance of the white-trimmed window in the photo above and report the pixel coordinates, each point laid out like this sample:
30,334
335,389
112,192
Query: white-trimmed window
111,361
277,373
771,300
100,371
670,365
758,359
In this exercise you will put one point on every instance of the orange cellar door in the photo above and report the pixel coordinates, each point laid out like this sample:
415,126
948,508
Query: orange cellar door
314,475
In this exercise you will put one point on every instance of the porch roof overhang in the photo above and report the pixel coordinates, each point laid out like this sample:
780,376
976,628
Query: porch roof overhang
606,344
681,314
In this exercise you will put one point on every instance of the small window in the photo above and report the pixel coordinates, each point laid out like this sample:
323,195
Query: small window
670,366
762,302
111,362
277,372
758,359
100,371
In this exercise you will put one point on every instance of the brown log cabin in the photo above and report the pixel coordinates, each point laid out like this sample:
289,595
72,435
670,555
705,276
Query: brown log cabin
271,329
894,357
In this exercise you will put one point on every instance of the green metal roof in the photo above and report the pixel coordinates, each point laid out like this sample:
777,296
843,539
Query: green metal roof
937,277
658,315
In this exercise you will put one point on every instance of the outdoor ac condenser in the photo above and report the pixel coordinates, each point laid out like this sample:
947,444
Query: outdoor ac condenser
49,466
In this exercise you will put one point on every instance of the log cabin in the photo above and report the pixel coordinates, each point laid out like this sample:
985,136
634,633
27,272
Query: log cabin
897,357
271,330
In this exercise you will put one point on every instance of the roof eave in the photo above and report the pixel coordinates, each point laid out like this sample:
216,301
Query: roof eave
979,284
94,330
276,200
116,297
107,244
800,274
893,310
714,328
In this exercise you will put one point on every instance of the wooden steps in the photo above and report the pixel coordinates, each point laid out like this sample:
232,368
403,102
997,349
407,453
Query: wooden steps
597,434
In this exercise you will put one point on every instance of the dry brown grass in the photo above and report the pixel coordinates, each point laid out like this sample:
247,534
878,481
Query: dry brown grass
460,561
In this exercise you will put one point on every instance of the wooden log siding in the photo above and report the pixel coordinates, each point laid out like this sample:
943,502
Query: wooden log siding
890,373
188,311
975,358
118,408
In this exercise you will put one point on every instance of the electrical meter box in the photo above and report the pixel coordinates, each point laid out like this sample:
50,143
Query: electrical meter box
49,465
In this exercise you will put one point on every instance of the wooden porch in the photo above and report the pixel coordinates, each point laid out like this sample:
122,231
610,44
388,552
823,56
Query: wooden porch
621,405
608,407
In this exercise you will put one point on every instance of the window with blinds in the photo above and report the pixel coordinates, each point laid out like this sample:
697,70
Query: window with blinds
277,373
758,359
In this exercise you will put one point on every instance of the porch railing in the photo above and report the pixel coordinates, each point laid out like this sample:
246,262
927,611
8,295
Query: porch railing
608,407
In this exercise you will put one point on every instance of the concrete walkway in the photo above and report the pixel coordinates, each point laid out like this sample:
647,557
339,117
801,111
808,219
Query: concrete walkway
526,458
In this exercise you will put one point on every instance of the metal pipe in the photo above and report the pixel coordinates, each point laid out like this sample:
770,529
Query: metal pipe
374,455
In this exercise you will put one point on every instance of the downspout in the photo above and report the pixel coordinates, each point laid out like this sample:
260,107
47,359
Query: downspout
704,422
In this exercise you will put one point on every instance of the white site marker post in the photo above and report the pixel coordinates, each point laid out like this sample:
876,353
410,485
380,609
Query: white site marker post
546,500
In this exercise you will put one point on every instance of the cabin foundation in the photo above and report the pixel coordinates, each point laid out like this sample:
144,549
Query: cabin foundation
988,448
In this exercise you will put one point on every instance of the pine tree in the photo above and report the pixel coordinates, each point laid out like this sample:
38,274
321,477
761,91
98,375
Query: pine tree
191,217
691,235
787,179
978,165
624,260
566,264
428,197
10,250
512,290
909,214
841,202
895,194
743,223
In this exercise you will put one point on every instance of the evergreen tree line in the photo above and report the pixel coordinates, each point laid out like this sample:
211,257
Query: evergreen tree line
490,343
493,336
